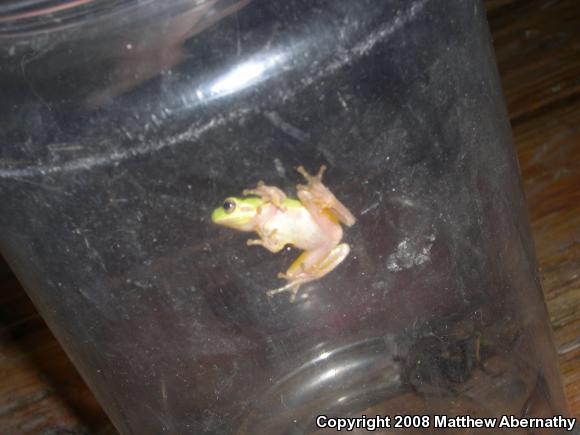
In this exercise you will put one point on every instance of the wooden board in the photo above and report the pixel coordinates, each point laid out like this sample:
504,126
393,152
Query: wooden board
538,52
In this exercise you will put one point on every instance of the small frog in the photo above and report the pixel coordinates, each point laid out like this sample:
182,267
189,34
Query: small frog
310,223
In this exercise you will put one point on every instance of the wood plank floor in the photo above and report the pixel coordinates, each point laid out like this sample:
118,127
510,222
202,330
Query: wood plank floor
537,45
538,52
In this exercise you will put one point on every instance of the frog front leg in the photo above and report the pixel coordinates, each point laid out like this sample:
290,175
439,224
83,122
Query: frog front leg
268,240
310,266
268,194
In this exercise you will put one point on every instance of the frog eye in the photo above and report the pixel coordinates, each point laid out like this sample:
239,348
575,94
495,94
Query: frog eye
229,206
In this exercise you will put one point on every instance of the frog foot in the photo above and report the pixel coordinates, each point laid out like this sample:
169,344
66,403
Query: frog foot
291,287
312,179
268,241
315,196
268,194
318,192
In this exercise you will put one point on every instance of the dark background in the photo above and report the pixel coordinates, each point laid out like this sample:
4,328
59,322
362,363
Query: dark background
538,51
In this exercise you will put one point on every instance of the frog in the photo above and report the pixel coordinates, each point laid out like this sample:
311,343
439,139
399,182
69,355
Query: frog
312,223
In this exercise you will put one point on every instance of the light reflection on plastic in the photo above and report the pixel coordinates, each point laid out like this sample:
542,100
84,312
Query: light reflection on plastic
256,69
244,75
239,78
329,374
334,373
322,356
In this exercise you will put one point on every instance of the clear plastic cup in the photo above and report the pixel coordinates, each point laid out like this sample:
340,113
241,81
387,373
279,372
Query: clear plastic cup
125,124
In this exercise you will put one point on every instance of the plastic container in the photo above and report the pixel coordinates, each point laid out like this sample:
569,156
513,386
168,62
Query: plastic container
125,124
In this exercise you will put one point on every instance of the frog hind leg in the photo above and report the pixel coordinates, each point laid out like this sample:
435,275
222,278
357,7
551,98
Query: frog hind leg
316,197
310,266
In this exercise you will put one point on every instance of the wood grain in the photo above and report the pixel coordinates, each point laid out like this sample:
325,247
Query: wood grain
537,46
538,52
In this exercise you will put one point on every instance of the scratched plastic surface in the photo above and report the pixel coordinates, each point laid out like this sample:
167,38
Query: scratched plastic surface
124,124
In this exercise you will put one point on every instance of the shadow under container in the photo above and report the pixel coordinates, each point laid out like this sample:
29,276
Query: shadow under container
123,125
